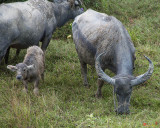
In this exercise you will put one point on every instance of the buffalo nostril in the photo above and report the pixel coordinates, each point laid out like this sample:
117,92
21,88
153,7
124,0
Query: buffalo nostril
18,77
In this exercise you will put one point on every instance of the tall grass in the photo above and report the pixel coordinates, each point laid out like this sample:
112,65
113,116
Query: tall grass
65,102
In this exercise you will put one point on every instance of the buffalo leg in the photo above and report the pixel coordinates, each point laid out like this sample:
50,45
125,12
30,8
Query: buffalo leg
84,73
17,52
4,45
7,56
36,90
45,42
100,85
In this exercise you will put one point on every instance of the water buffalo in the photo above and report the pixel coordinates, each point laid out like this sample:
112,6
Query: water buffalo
103,41
32,68
24,24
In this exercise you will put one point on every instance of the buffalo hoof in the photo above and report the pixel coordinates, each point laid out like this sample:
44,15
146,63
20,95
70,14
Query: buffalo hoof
86,85
36,91
98,96
25,91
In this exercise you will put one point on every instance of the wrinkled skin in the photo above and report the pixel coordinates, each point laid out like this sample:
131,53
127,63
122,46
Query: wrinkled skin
25,24
95,33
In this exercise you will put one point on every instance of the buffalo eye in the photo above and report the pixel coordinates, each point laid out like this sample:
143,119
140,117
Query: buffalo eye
117,94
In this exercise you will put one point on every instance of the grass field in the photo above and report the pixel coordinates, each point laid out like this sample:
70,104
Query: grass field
65,102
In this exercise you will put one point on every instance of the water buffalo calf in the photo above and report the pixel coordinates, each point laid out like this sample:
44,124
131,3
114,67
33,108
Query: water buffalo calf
32,68
103,41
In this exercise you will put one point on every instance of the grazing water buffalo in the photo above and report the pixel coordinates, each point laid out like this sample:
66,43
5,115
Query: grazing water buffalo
24,24
102,40
32,68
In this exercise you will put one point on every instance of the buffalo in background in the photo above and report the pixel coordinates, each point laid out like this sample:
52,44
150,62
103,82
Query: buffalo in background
24,24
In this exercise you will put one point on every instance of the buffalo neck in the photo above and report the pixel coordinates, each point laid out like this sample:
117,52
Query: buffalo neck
61,14
124,60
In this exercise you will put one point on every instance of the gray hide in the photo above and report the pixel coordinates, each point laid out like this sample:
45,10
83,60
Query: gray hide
102,40
24,24
32,68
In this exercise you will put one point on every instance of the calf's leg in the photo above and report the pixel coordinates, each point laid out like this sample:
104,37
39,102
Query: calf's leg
42,76
25,90
36,90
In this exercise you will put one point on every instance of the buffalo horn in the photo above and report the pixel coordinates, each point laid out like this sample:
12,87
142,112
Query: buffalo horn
100,72
144,77
80,2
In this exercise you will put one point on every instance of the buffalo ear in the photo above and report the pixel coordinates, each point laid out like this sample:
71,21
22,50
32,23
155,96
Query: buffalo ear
71,3
12,68
76,3
30,67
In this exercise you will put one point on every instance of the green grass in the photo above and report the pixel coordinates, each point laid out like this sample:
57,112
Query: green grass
65,102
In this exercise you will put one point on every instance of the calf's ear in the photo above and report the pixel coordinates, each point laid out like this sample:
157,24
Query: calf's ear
12,68
30,67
